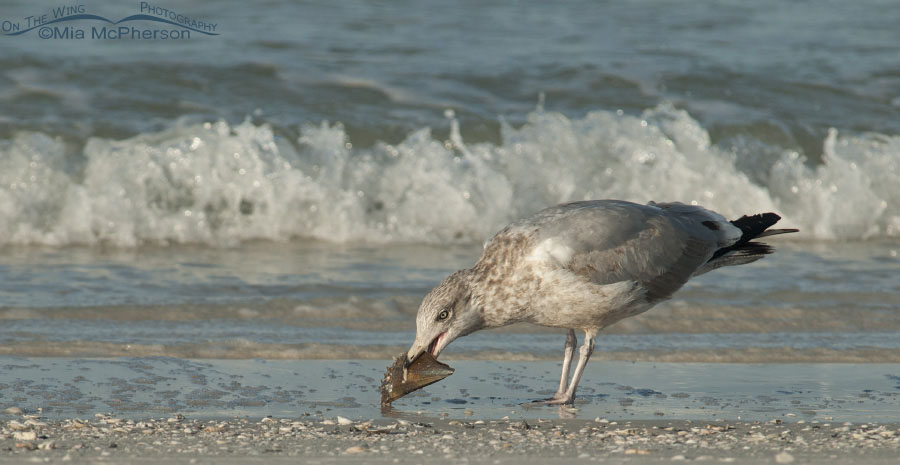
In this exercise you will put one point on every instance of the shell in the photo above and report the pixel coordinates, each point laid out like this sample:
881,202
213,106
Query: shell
400,381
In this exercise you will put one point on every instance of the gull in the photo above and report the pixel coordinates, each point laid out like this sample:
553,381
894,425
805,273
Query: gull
585,265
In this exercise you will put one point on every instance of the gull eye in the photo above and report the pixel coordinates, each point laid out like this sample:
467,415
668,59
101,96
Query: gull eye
443,315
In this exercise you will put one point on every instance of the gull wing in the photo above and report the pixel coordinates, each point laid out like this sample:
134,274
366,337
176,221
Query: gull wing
658,246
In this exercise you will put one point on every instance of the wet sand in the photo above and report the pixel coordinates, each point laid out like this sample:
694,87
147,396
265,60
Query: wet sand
138,388
147,410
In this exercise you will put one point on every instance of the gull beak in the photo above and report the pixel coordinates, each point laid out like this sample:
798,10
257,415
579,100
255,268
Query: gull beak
417,349
412,355
433,346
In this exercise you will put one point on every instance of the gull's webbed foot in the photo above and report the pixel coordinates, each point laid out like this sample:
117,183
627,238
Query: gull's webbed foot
557,399
560,400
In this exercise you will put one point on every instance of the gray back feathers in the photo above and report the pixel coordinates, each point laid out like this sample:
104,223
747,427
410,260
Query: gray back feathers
660,245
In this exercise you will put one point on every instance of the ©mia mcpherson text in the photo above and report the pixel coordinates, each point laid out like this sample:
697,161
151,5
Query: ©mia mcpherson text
59,24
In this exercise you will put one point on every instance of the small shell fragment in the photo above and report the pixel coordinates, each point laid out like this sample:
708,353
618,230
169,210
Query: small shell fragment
400,380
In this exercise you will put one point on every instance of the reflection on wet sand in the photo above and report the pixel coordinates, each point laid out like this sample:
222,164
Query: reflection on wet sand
153,387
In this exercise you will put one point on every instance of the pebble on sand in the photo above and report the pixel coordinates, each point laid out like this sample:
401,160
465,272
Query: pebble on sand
355,450
17,426
784,457
25,435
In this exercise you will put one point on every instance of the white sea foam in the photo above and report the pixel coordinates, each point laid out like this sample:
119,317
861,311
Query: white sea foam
219,184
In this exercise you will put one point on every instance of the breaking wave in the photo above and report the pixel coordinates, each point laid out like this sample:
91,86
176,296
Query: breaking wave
222,184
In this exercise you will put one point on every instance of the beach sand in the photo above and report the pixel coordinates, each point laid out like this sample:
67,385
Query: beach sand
105,439
150,410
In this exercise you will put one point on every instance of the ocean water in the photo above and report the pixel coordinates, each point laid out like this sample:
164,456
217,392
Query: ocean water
291,187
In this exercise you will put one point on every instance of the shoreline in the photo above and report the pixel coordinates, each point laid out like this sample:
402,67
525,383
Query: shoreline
239,350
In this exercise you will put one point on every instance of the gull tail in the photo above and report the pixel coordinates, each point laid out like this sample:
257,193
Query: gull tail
745,250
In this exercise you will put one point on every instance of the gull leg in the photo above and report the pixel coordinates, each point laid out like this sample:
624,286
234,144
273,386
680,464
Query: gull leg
584,355
571,340
568,355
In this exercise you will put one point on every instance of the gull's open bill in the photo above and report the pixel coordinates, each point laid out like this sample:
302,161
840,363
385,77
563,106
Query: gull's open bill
400,380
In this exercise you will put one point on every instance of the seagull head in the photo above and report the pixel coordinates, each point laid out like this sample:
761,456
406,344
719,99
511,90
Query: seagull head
449,311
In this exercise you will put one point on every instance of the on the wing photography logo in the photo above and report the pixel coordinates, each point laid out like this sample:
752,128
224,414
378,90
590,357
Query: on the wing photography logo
77,22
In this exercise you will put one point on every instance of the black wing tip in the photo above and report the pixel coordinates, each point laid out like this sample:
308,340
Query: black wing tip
746,249
754,248
754,225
